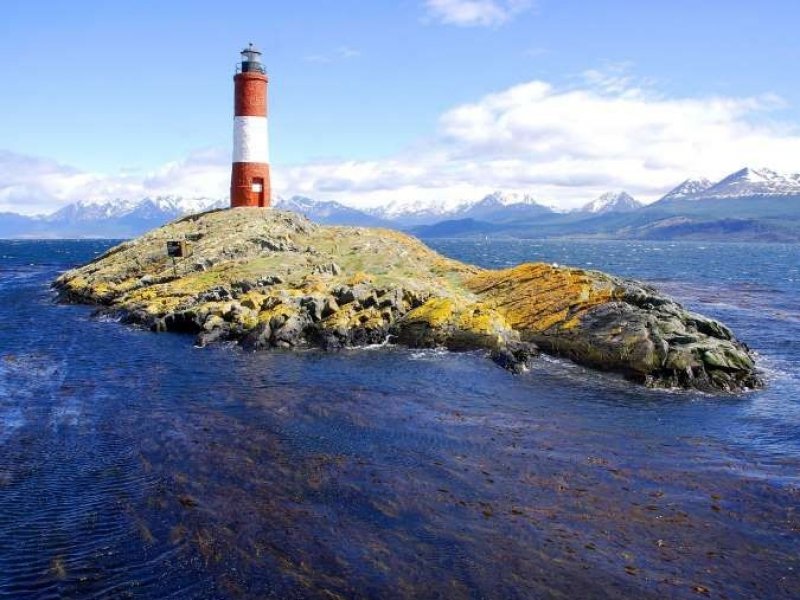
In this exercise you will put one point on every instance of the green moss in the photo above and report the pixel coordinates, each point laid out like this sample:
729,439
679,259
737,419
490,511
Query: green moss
197,282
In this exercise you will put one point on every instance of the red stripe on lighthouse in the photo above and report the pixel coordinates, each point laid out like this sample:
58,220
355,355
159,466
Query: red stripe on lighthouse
250,184
250,95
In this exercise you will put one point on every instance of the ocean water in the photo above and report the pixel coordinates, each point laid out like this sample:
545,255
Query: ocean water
135,465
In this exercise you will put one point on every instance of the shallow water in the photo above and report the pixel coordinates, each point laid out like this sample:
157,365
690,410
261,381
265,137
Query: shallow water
135,465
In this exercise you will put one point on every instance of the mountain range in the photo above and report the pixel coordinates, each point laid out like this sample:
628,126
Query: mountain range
750,204
498,207
124,218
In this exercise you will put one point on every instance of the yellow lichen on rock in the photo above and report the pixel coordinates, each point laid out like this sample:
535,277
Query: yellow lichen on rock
358,277
156,300
436,312
253,300
456,322
279,309
479,318
537,297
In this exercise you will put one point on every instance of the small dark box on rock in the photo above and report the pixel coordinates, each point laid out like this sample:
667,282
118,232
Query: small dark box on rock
178,249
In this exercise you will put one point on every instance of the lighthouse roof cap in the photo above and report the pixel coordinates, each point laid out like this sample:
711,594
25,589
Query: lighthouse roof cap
251,49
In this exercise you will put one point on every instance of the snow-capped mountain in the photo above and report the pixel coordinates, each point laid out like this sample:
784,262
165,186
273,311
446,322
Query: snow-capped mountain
501,207
117,218
407,213
160,207
399,209
498,206
127,218
611,202
329,213
171,207
746,183
508,199
691,188
755,182
751,204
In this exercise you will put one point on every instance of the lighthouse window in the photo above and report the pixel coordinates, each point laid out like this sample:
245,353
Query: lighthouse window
258,187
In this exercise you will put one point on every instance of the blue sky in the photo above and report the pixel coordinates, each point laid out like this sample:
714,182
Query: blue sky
374,102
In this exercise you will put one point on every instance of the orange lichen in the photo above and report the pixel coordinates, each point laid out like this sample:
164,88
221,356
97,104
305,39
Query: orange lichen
537,297
436,312
359,277
314,284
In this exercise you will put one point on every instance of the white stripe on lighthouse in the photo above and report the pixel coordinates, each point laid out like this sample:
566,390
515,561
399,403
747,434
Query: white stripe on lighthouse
250,141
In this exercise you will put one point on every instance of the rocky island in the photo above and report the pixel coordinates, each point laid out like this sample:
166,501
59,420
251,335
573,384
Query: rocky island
273,279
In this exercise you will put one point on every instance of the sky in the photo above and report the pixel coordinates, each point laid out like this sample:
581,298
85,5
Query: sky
382,102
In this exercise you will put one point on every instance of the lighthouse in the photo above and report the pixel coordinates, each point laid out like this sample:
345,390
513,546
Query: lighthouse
250,184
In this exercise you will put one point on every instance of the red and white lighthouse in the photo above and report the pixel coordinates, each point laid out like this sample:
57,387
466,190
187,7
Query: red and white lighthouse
250,185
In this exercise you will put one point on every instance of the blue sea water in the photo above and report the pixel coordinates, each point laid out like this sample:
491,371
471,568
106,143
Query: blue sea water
133,464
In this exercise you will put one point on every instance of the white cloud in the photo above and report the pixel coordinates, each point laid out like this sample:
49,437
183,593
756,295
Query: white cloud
340,53
564,145
475,13
32,185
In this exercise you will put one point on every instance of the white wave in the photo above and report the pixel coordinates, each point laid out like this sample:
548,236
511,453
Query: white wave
429,354
386,343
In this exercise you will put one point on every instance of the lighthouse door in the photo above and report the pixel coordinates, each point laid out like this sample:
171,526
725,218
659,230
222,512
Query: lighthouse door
257,189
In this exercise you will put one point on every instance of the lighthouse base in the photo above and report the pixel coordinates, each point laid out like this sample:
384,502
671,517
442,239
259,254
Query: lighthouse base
250,185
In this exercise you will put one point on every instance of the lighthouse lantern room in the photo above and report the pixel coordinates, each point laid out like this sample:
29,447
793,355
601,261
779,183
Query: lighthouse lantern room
250,181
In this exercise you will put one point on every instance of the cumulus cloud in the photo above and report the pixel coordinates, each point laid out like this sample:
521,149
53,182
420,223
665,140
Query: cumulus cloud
340,53
32,185
565,145
475,13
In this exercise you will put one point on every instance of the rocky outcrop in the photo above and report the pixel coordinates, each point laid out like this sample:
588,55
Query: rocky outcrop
617,324
267,278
